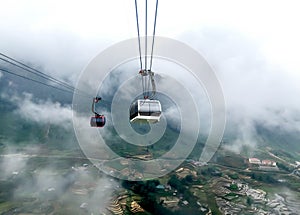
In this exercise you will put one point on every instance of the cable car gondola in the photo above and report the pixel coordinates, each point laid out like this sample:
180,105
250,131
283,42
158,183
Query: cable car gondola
145,110
97,120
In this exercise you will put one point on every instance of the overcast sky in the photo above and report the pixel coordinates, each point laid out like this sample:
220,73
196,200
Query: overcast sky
252,45
52,33
56,29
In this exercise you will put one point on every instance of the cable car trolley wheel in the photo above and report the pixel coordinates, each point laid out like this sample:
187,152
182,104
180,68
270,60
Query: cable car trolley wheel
145,110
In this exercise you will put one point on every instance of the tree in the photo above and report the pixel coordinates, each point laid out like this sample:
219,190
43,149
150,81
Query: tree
283,167
187,180
249,201
233,187
176,183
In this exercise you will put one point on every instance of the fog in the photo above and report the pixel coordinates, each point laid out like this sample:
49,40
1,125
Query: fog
252,47
257,90
48,182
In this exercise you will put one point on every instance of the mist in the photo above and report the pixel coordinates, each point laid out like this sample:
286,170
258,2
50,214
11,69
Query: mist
46,179
252,50
257,91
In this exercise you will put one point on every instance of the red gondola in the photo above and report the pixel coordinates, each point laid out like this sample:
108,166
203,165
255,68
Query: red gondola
97,120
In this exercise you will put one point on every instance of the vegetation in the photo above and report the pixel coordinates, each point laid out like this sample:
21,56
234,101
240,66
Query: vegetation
249,201
141,187
53,140
284,167
233,175
233,187
263,177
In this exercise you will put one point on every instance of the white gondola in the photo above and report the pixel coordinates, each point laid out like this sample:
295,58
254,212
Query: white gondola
145,110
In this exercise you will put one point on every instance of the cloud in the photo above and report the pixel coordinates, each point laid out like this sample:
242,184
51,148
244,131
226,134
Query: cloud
173,116
245,137
257,66
257,90
12,164
48,183
103,190
35,175
13,161
60,44
42,111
